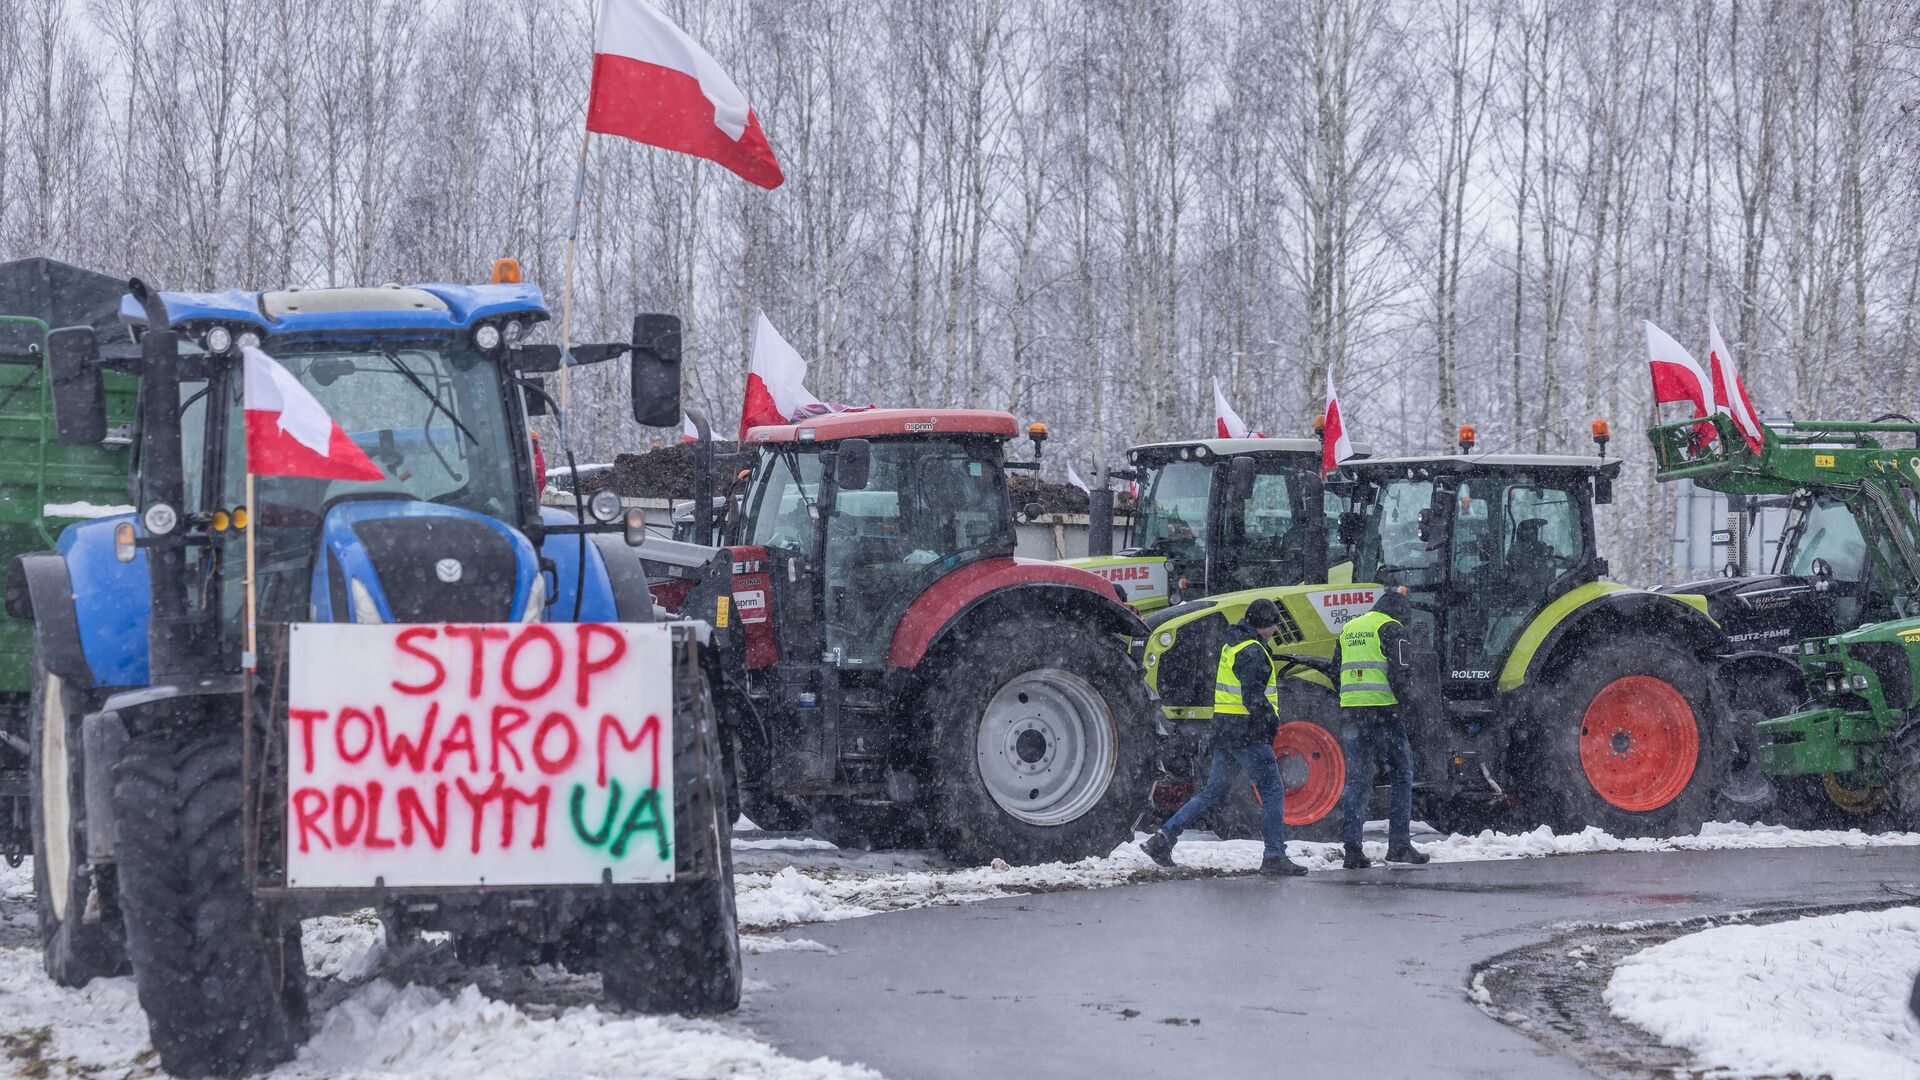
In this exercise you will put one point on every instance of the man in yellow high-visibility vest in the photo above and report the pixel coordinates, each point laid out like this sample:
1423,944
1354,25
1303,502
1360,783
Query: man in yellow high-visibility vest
1373,726
1240,739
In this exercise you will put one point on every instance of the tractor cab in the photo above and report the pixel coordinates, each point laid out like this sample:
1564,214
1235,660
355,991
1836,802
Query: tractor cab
1483,544
1219,515
871,508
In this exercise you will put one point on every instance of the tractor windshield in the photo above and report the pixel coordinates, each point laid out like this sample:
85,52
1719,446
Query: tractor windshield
1172,513
1392,541
434,420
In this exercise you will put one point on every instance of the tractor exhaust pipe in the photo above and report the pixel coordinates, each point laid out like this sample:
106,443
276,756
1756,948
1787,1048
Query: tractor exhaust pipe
1100,518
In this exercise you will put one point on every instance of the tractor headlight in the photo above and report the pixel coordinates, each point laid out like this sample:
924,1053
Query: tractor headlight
536,600
1858,682
1151,660
248,339
515,330
160,519
365,611
604,506
486,337
1165,639
219,340
1809,647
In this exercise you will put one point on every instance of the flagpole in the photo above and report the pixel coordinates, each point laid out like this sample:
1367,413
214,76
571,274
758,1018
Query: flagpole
573,236
250,660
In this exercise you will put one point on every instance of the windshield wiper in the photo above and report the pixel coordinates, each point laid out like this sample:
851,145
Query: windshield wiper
421,386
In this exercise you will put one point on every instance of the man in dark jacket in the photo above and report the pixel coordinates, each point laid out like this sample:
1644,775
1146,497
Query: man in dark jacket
1373,726
1241,740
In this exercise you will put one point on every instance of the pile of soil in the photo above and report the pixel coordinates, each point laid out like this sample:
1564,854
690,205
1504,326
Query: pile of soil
670,472
1055,498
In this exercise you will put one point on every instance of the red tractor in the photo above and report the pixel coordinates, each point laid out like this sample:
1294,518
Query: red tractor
894,675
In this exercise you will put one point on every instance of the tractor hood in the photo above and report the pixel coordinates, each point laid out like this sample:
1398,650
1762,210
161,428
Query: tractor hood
394,560
1763,611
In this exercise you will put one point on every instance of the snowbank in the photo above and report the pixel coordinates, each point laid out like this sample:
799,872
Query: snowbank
1823,996
796,895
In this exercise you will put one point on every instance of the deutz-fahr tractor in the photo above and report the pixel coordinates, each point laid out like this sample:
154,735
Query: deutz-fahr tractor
1844,597
1564,698
899,674
1215,515
192,802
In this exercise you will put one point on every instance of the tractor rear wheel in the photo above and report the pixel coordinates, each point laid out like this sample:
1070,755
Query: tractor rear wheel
1312,767
1042,742
1625,743
224,988
79,915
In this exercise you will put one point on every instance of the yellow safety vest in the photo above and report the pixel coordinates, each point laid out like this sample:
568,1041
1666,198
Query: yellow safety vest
1227,696
1363,663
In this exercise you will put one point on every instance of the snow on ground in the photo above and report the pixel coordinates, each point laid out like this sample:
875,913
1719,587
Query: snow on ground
1822,996
824,893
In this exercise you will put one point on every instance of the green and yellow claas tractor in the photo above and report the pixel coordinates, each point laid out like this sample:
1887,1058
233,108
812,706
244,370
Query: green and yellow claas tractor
1850,562
1563,698
1214,515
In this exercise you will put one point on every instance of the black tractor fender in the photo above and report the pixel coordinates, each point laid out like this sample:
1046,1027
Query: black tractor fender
39,590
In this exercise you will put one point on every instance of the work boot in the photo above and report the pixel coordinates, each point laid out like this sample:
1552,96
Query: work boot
1408,854
1159,848
1356,859
1280,866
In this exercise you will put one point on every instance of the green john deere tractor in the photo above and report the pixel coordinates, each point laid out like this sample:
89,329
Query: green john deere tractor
1214,515
1564,698
1848,586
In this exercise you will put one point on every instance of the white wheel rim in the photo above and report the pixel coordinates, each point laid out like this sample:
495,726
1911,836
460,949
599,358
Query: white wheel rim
1047,747
56,794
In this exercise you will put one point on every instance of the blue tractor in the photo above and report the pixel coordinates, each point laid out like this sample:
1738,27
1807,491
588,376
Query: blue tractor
159,756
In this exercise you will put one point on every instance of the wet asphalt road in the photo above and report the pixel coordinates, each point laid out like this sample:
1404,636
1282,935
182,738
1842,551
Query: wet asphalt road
1341,974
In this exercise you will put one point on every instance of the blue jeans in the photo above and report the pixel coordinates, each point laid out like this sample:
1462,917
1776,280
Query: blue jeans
1258,762
1365,741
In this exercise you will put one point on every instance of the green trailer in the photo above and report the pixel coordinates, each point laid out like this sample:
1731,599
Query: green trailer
45,486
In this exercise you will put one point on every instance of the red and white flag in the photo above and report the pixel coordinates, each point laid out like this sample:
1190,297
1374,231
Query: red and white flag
654,84
1073,478
1729,392
688,433
1227,422
777,384
1677,377
1335,447
289,433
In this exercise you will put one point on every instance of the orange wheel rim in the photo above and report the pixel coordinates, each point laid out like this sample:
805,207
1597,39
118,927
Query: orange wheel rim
1310,752
1639,743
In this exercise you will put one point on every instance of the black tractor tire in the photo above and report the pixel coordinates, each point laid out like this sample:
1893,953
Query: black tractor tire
1463,816
1641,710
863,826
503,948
774,813
1744,791
1900,776
1007,696
223,986
1312,766
79,913
676,948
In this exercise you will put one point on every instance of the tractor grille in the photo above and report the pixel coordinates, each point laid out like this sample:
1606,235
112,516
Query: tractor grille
1289,632
1889,664
406,552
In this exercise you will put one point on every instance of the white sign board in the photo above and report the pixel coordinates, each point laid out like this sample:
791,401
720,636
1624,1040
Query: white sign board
1139,579
1337,607
479,754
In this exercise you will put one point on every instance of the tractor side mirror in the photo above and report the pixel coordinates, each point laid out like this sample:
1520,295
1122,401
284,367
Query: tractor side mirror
79,397
1240,473
536,396
656,370
1602,490
1032,511
853,465
1352,527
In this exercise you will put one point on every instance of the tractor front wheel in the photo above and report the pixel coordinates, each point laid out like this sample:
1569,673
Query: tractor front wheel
1042,743
79,915
1625,744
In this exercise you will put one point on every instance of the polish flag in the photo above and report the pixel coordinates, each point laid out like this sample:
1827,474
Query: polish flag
777,384
1677,378
1227,422
1335,447
654,84
1074,479
688,433
1729,393
289,433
